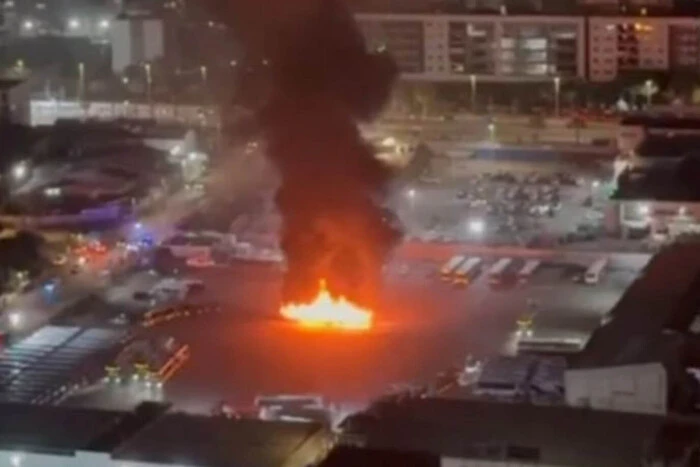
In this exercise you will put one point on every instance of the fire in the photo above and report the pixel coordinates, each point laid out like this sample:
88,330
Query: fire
326,311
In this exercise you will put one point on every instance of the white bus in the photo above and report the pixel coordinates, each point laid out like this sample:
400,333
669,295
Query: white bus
594,272
499,270
528,270
467,272
451,266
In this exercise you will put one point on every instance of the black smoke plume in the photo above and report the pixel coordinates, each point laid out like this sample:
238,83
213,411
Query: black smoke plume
323,82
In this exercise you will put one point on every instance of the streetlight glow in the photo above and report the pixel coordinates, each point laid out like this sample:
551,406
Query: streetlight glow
643,209
104,24
28,25
15,319
477,226
74,23
19,171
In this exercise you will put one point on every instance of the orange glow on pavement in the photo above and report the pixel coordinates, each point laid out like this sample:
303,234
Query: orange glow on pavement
326,311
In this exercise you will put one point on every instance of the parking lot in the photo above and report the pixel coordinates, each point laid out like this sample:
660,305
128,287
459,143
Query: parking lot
514,207
425,325
560,304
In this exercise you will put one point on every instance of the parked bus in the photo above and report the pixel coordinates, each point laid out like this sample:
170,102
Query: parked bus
467,272
499,270
593,273
451,266
528,270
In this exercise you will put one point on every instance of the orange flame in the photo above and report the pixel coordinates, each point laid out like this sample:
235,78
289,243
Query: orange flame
326,311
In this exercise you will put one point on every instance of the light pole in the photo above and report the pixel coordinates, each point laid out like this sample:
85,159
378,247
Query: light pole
557,92
472,82
648,90
203,71
81,81
149,84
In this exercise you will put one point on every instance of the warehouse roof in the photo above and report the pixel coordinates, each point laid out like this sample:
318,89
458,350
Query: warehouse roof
517,433
222,442
59,430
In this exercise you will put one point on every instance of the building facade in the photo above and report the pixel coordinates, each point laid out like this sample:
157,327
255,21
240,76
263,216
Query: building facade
503,48
454,48
135,41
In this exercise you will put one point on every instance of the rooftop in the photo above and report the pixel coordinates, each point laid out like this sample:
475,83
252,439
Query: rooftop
667,182
55,430
36,368
149,434
220,442
517,433
666,297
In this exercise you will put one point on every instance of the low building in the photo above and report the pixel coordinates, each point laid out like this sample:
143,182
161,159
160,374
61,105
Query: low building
643,358
40,436
468,433
662,200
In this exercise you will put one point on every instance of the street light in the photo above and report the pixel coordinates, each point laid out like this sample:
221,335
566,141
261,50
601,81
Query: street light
28,25
103,24
472,81
643,209
19,171
73,24
149,84
203,71
477,226
492,131
649,90
81,81
15,319
557,92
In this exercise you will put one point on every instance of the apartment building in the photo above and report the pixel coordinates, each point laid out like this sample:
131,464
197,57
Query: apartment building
454,48
620,44
503,48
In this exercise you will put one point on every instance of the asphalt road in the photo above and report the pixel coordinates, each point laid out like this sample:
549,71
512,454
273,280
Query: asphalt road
425,326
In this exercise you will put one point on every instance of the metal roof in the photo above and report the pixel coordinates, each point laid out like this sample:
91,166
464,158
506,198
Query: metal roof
34,428
513,433
217,441
35,369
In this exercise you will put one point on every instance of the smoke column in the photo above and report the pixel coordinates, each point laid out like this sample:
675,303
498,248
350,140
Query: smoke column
323,83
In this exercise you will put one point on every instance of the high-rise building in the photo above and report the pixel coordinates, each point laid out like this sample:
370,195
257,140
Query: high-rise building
512,47
489,47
